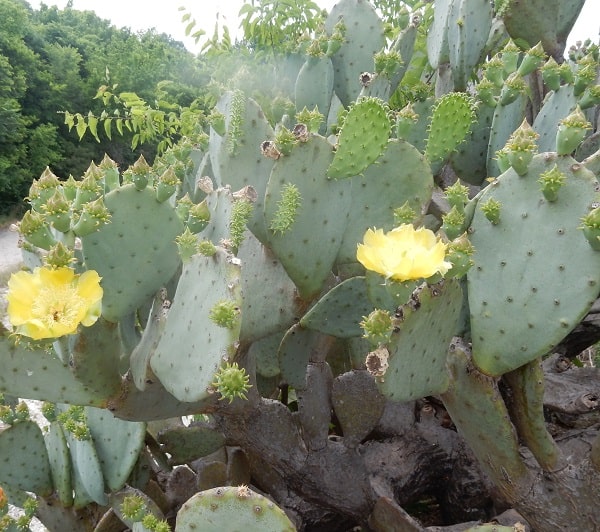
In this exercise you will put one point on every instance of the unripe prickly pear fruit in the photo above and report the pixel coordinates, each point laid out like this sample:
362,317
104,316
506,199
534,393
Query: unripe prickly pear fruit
551,74
571,131
377,327
591,228
35,230
551,182
491,209
521,147
533,59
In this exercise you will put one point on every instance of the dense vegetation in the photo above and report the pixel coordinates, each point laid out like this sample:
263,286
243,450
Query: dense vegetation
52,61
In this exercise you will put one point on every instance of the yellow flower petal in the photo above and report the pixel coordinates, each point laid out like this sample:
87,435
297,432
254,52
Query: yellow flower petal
403,254
52,302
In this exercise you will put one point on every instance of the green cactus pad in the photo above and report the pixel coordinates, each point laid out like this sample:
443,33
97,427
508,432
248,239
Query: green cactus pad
39,374
135,254
340,311
480,415
452,118
323,211
535,275
469,25
314,85
95,357
117,499
264,351
118,444
185,444
506,119
193,346
231,508
362,140
400,176
295,352
363,38
417,352
438,50
60,463
270,303
24,464
246,165
88,481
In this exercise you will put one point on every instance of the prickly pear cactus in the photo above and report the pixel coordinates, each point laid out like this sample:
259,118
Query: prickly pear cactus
231,508
534,262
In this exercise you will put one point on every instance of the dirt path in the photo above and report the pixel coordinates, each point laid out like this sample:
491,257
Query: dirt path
10,254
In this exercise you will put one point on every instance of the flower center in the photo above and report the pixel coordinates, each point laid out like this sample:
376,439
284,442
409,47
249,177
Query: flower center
60,307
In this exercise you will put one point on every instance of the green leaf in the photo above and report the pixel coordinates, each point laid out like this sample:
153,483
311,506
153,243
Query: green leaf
107,128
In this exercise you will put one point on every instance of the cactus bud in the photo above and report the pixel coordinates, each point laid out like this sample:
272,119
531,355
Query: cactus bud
312,119
21,412
93,216
502,160
59,256
453,222
57,211
387,63
459,255
284,141
199,216
49,411
491,209
584,77
533,59
110,172
89,189
377,327
513,87
183,206
406,118
404,214
457,195
510,57
231,382
521,147
139,173
571,131
35,230
551,74
217,122
225,314
494,71
167,184
7,416
187,244
591,228
487,92
133,508
70,187
590,98
551,182
206,248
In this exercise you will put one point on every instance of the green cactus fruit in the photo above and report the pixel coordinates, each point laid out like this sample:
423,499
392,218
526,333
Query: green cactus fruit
452,117
551,182
25,465
132,505
513,254
135,254
469,24
415,358
362,140
533,59
551,74
202,343
590,224
521,147
400,177
231,508
308,261
363,37
571,132
514,85
34,229
557,105
340,310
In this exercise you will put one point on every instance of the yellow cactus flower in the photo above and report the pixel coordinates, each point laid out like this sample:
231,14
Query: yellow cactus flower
403,254
52,302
